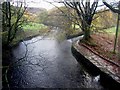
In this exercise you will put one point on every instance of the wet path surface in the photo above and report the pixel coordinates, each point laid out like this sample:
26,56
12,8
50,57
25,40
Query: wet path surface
48,64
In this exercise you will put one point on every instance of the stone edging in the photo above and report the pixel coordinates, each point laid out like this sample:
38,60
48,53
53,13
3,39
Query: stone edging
107,79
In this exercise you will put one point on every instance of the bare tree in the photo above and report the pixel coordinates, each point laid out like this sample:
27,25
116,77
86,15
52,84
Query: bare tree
12,20
111,7
118,12
85,11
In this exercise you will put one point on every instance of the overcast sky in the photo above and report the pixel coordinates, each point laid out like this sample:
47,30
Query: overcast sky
44,4
39,3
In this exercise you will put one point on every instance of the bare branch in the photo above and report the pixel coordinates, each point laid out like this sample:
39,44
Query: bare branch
111,8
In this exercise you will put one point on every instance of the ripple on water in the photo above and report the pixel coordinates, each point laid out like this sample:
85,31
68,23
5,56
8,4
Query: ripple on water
50,64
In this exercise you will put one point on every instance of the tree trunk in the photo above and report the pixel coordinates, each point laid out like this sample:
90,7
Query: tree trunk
3,18
86,29
9,22
87,33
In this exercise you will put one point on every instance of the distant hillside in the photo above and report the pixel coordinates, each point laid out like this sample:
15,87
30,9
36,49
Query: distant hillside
35,10
58,19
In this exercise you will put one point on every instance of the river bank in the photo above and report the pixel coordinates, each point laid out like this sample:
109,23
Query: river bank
109,73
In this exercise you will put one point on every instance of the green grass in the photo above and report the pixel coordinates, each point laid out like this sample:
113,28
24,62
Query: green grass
34,26
111,30
76,26
30,30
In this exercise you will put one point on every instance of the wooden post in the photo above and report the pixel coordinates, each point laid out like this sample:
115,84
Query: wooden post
117,29
116,35
119,46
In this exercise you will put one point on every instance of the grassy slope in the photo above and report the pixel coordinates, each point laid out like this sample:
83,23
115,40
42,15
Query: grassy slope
111,30
34,26
30,30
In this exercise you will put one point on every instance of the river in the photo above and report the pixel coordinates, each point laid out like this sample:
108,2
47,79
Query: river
47,63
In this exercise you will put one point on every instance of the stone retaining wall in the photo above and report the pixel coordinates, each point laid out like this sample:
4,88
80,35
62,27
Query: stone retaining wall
107,79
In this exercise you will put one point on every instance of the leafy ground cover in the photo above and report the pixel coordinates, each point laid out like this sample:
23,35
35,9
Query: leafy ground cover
103,44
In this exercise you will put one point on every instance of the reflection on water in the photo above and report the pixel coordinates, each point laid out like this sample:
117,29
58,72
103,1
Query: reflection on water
48,63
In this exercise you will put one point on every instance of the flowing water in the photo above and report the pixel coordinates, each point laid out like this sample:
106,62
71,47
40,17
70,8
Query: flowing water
48,63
